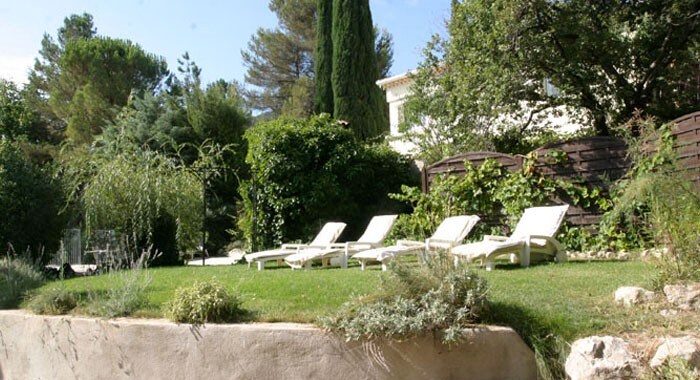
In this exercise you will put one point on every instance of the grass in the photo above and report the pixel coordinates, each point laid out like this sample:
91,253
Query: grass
570,300
573,299
272,295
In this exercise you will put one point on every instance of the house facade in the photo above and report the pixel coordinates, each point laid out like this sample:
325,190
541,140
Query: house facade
398,87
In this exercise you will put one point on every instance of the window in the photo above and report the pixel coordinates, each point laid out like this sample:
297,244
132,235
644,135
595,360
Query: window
550,89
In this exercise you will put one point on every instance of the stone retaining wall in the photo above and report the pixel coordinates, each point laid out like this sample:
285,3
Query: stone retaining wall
39,347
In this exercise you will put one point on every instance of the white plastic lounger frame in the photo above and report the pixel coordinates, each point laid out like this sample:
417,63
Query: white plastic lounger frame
449,233
533,238
374,235
328,234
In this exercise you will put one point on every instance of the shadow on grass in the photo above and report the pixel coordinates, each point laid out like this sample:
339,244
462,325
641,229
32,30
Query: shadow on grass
544,336
506,265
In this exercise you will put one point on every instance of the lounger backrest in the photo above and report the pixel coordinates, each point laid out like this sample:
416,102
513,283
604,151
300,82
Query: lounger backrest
540,221
329,234
455,228
377,229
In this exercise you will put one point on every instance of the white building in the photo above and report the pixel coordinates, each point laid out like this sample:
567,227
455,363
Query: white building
398,87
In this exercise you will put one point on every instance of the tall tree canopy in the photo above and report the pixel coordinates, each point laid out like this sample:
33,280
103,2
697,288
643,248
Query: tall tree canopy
324,57
86,77
17,118
96,76
607,59
356,97
278,59
46,69
281,62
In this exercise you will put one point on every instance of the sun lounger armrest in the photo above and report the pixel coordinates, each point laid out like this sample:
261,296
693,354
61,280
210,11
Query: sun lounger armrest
333,246
430,242
495,238
325,246
294,246
406,243
350,244
548,239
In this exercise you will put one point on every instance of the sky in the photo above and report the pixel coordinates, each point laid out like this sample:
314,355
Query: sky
213,32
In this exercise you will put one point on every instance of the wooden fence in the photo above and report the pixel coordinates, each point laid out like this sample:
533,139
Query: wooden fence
687,134
594,161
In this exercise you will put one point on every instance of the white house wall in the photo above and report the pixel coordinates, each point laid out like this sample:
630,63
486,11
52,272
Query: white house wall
397,88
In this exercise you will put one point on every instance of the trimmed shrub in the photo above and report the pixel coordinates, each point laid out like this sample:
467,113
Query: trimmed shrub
415,300
17,278
52,301
307,172
202,302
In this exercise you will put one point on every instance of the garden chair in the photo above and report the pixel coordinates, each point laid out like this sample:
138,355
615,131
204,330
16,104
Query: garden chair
449,233
532,239
328,234
374,235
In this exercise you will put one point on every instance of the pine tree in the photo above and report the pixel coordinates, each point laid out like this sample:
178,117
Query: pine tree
357,99
324,57
280,61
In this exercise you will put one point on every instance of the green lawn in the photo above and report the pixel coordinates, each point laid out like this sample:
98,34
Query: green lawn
571,300
274,295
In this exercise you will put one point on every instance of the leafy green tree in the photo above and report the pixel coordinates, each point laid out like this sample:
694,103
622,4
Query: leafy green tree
191,123
81,79
148,198
606,59
219,118
30,202
96,77
46,68
324,57
17,119
300,99
307,172
356,97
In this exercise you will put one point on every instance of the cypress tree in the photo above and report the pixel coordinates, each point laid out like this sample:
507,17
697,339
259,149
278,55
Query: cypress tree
324,57
356,97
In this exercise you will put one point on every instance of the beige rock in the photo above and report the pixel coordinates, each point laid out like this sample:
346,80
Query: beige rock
601,358
38,347
686,348
685,297
632,295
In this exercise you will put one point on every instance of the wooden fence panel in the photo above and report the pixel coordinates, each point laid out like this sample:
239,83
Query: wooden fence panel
687,134
594,161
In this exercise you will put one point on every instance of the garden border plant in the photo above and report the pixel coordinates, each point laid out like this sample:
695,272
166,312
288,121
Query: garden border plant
205,302
660,203
413,300
17,279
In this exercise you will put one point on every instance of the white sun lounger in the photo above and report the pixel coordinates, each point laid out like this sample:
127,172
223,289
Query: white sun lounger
533,238
448,234
328,234
374,235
